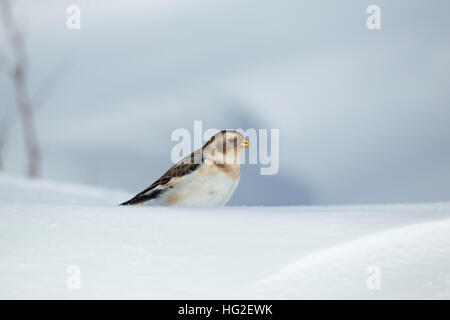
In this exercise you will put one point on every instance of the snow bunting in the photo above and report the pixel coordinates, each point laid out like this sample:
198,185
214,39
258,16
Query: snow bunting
207,177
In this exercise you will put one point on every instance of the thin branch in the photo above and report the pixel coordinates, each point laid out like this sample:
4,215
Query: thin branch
2,61
47,86
19,74
5,129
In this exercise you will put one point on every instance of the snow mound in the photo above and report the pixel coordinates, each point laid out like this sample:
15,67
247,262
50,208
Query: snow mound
46,228
21,190
413,256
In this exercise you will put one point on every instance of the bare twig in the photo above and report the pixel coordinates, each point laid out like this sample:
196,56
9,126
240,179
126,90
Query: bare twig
2,61
19,74
51,81
5,129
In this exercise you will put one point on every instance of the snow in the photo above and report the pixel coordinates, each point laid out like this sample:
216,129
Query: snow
232,252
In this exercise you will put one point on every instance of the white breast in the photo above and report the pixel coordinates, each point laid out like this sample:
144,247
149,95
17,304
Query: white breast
208,186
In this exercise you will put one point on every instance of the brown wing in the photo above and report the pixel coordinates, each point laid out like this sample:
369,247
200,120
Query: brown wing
159,186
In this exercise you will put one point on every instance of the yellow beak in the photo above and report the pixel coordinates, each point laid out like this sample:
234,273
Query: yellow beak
245,143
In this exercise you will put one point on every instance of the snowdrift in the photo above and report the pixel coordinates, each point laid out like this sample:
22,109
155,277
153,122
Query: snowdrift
232,252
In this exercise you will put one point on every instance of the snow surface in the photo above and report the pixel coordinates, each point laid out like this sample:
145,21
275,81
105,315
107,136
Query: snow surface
232,252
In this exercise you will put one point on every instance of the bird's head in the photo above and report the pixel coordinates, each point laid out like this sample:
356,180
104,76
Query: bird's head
225,147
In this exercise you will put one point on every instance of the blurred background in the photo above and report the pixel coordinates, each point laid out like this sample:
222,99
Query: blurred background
364,116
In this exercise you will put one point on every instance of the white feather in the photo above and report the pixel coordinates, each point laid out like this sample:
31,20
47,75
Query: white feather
199,190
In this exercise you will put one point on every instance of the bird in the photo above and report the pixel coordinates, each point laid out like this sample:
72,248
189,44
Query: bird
207,177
